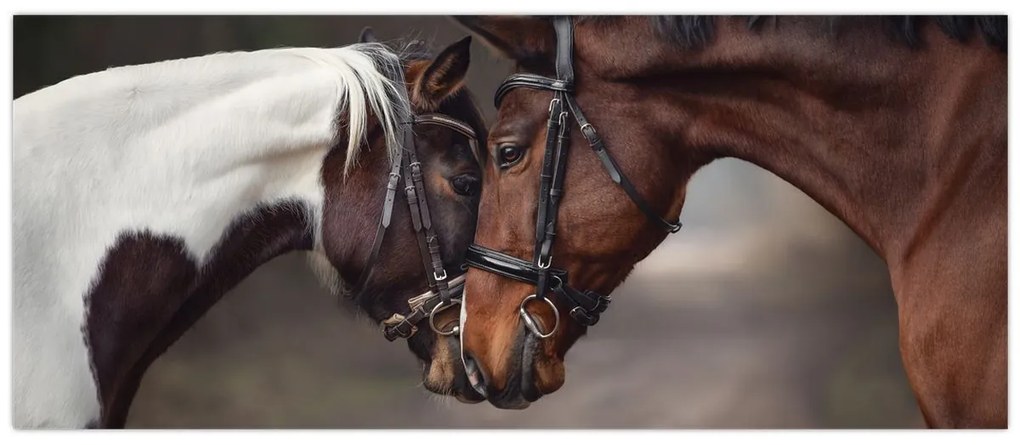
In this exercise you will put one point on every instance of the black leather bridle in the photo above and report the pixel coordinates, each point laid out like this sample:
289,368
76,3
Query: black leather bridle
443,292
585,306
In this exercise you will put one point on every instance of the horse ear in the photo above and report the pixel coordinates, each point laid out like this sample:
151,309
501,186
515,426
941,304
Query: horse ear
444,76
367,35
527,40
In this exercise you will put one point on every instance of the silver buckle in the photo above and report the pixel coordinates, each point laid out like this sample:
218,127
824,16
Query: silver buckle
551,103
416,302
548,262
392,184
437,276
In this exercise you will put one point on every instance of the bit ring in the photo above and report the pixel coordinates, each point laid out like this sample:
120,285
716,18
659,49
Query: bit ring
532,324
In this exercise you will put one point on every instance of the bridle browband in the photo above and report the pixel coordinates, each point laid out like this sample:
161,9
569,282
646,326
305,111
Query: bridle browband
443,292
585,306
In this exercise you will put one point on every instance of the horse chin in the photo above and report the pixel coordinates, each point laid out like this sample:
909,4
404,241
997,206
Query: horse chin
465,399
445,375
529,386
521,388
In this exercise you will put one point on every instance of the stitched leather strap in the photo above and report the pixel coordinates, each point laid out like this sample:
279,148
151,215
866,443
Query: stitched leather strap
502,264
586,305
428,242
532,81
564,27
611,167
440,291
455,125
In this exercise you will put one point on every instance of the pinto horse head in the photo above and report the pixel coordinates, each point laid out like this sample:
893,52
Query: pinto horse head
452,183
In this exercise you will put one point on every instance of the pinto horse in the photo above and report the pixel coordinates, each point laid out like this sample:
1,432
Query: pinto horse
897,125
143,193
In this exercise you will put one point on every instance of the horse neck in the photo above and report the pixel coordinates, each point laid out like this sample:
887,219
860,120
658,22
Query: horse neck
892,140
210,181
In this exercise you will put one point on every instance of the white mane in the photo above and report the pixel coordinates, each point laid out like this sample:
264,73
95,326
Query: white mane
386,94
367,76
179,148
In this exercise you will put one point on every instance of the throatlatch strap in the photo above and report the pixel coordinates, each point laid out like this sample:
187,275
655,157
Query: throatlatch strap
611,167
384,220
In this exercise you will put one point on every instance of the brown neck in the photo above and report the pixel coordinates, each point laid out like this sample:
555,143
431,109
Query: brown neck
884,136
134,317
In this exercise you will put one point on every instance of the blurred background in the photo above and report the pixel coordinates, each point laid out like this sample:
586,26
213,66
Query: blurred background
764,312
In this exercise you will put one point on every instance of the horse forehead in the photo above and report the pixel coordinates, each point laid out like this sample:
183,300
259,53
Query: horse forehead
522,112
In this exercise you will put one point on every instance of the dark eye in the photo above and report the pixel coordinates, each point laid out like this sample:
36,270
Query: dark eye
465,185
509,155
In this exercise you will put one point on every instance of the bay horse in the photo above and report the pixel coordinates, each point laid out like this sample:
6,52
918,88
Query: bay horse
896,125
143,193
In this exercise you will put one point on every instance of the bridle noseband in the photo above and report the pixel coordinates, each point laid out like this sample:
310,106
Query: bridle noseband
585,306
443,292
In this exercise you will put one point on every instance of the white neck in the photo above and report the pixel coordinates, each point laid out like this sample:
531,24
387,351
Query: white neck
179,148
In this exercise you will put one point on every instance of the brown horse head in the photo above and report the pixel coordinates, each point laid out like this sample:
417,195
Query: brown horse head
600,234
852,111
452,180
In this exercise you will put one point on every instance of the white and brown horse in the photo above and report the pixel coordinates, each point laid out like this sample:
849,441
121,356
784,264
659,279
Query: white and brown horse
143,193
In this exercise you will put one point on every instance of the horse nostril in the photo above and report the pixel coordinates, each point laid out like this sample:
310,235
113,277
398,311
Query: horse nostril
474,374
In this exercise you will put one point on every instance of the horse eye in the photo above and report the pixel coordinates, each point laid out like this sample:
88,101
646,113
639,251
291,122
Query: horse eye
465,185
509,155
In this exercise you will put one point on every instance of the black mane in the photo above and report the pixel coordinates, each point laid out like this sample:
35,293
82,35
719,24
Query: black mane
696,31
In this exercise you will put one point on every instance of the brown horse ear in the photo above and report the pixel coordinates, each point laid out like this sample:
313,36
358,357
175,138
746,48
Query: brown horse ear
528,40
444,76
367,35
